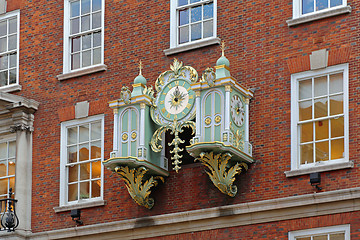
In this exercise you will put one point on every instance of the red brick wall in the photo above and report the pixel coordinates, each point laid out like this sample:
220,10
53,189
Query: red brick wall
260,46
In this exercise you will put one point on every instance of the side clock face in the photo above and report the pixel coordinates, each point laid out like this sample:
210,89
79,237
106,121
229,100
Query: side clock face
176,100
237,109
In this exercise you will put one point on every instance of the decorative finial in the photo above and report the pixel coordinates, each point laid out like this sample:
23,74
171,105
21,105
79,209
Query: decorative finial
140,67
222,48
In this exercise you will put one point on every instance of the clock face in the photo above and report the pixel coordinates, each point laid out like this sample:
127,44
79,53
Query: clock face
176,100
237,110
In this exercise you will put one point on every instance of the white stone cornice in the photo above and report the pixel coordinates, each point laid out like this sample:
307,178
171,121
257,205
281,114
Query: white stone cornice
293,207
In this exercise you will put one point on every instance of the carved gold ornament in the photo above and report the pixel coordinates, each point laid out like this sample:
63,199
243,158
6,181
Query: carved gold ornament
133,135
125,94
137,186
208,121
218,119
124,137
209,77
220,174
238,138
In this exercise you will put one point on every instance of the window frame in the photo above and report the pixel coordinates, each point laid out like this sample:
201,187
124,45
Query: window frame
297,9
63,160
324,230
7,139
174,24
67,41
295,151
14,86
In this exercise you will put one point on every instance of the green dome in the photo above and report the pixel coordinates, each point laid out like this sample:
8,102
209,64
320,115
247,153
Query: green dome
223,61
140,79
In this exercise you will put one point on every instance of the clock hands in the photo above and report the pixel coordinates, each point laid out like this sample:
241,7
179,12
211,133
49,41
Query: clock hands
177,98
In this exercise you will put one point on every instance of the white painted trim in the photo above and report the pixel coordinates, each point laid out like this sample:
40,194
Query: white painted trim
66,44
309,205
297,9
116,131
82,72
295,165
324,230
192,45
63,159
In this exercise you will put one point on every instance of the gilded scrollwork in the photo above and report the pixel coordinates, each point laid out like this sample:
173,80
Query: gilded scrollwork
125,94
238,138
137,184
220,173
209,77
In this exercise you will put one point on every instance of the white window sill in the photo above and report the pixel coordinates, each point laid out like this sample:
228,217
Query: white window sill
323,168
10,88
193,45
82,72
80,206
319,15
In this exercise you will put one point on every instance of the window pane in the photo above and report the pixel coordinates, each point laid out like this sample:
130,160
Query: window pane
86,42
3,28
86,58
337,127
306,154
75,9
95,130
95,150
3,170
12,77
307,6
336,83
97,39
183,17
182,2
73,192
321,107
322,151
196,14
75,61
96,20
334,3
12,26
84,133
3,78
208,11
74,26
73,173
321,4
12,183
84,152
84,190
184,34
95,188
195,31
13,60
3,44
208,29
337,149
85,23
97,56
3,150
321,129
305,89
96,170
72,154
336,105
11,168
306,132
323,237
194,1
85,171
12,149
3,62
96,5
12,42
72,135
320,86
75,44
337,236
85,6
305,110
3,186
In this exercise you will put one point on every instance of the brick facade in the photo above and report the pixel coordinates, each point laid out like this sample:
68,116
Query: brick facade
263,53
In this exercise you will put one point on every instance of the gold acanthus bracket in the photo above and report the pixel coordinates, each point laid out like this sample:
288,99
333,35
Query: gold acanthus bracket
137,185
220,173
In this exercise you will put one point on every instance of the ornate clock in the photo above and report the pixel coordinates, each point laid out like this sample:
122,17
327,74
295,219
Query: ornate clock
176,100
174,107
237,110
